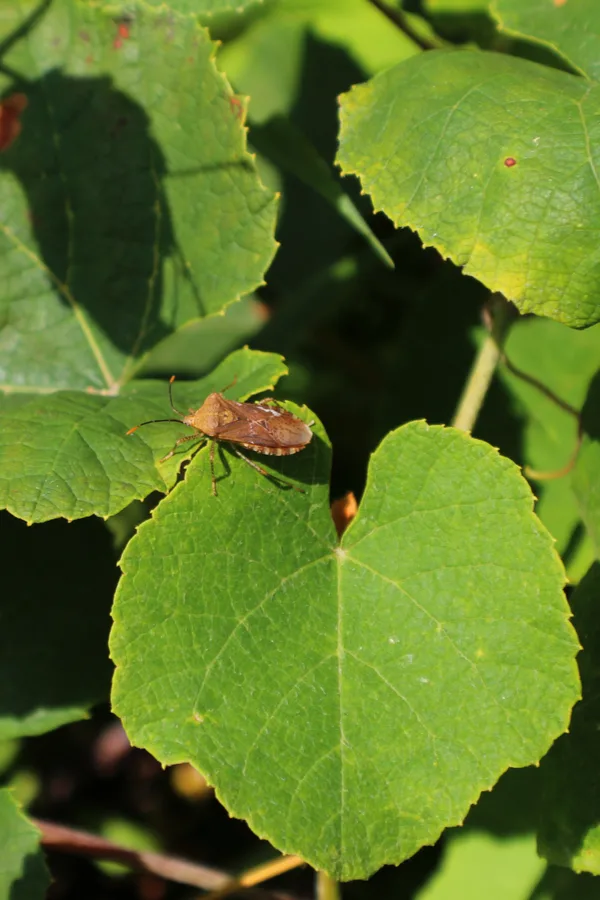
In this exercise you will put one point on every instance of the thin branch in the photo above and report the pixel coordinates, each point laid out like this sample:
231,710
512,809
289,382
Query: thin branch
400,21
82,843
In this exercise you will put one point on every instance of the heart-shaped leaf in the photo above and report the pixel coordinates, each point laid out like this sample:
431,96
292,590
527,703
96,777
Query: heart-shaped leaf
350,700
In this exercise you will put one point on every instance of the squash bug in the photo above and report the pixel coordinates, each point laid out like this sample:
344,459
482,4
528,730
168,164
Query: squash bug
265,427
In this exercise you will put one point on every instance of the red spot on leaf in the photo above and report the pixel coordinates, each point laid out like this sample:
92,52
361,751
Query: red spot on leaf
509,162
10,121
559,2
123,32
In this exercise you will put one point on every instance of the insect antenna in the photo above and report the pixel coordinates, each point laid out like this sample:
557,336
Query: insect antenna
151,422
174,408
230,385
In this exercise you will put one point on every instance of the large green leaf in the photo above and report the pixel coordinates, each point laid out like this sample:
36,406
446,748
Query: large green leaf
23,874
200,346
585,479
349,700
493,161
569,820
477,865
129,202
266,60
57,588
564,361
284,144
68,454
571,29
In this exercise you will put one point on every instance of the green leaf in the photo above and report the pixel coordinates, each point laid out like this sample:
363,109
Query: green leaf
130,203
479,865
287,146
266,61
23,874
564,361
569,829
456,6
372,39
55,619
68,454
349,701
204,8
585,480
572,30
201,345
436,160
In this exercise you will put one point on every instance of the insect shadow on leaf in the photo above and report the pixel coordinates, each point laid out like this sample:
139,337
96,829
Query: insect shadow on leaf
265,427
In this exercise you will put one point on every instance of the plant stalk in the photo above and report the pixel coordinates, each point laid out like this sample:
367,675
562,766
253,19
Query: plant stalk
82,843
327,888
499,318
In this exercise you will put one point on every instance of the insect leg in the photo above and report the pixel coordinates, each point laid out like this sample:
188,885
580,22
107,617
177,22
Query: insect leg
262,471
213,444
182,440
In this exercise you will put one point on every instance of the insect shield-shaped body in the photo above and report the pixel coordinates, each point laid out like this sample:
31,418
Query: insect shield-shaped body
264,427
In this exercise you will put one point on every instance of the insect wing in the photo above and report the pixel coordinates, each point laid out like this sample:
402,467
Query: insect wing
264,427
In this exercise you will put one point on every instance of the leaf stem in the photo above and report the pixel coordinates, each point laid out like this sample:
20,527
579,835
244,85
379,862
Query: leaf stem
83,843
256,875
327,888
400,21
499,316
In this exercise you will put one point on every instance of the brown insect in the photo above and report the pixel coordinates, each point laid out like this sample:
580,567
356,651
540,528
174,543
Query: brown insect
265,427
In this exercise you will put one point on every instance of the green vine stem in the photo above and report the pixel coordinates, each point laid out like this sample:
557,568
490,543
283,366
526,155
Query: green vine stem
499,316
327,888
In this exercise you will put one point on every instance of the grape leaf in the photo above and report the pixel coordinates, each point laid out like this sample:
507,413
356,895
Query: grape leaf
569,830
585,481
23,873
564,361
129,203
351,700
492,160
477,864
203,8
573,30
68,454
